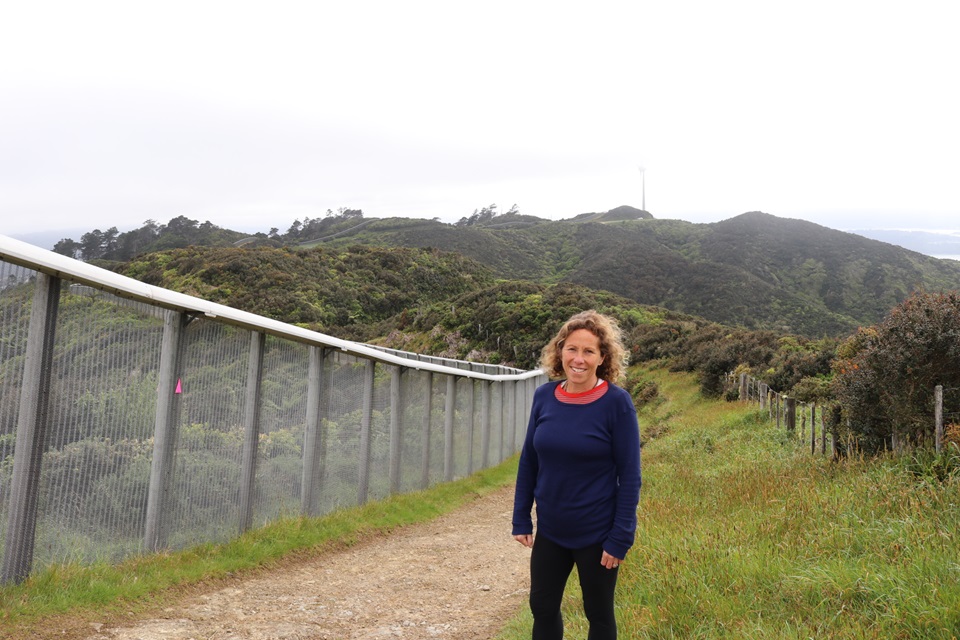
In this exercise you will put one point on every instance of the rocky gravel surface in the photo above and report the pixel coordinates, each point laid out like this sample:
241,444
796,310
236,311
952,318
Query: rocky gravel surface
459,577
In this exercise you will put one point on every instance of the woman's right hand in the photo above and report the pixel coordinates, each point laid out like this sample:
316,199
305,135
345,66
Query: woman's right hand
526,539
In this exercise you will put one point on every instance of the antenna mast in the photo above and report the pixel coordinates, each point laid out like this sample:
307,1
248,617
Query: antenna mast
643,188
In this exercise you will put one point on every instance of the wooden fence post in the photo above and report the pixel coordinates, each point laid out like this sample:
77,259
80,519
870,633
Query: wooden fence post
813,428
823,431
938,415
836,415
790,405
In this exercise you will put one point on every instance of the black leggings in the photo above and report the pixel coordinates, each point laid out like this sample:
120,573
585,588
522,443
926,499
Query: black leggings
550,566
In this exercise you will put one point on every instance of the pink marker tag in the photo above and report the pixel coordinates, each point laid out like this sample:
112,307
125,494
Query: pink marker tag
179,387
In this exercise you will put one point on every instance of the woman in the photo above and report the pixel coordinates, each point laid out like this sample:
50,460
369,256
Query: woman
580,463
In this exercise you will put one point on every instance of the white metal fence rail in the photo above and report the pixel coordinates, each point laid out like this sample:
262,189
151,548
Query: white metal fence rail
134,419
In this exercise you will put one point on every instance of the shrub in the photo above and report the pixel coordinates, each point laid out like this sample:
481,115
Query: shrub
644,393
884,376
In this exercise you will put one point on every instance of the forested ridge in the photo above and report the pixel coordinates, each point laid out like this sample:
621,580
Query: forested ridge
755,270
778,298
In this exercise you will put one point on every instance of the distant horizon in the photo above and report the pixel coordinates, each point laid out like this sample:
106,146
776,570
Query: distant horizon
47,239
408,110
907,229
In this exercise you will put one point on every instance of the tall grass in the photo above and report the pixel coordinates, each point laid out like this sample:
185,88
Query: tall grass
743,534
97,591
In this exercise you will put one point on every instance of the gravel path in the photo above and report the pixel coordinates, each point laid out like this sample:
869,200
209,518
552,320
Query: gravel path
459,577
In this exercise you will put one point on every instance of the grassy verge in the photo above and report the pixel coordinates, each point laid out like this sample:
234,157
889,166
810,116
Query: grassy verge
149,581
743,534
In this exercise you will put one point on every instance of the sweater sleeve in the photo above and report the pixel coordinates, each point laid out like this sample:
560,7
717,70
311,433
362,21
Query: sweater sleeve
526,477
626,438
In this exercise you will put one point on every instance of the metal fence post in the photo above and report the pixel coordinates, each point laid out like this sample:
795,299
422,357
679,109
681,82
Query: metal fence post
485,423
517,408
512,423
521,404
251,434
31,431
471,409
363,482
504,419
312,470
425,434
396,434
449,411
521,414
169,392
525,417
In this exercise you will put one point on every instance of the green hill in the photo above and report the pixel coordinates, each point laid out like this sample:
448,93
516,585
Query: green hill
346,292
754,271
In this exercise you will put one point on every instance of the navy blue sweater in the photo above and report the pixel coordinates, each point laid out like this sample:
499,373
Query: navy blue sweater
580,463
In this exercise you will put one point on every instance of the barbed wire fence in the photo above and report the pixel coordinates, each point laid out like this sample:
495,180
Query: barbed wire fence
824,420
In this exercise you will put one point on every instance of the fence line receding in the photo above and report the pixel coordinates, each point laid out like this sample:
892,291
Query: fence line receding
135,419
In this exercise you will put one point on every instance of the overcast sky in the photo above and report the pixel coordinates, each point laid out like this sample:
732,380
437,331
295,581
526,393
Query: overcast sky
254,114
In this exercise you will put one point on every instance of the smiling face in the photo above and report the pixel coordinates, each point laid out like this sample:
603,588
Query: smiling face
581,356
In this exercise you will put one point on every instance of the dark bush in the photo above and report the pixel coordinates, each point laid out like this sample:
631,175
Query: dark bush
885,375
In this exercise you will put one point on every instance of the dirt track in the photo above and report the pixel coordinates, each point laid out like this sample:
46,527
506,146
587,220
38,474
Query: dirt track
458,577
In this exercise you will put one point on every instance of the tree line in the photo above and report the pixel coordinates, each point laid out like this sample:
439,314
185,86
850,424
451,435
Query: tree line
879,381
181,232
425,300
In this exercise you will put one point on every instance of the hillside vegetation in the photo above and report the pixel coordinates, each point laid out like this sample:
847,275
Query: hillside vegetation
742,534
346,292
804,308
754,271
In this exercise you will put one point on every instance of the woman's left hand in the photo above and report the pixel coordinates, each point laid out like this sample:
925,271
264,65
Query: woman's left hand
609,561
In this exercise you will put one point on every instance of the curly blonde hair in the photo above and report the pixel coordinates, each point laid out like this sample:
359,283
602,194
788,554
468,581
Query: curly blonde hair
607,331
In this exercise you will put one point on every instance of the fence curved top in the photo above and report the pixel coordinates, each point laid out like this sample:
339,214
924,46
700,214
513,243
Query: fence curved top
60,266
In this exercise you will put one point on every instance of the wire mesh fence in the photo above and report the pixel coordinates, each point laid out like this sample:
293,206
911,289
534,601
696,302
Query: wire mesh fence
128,426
